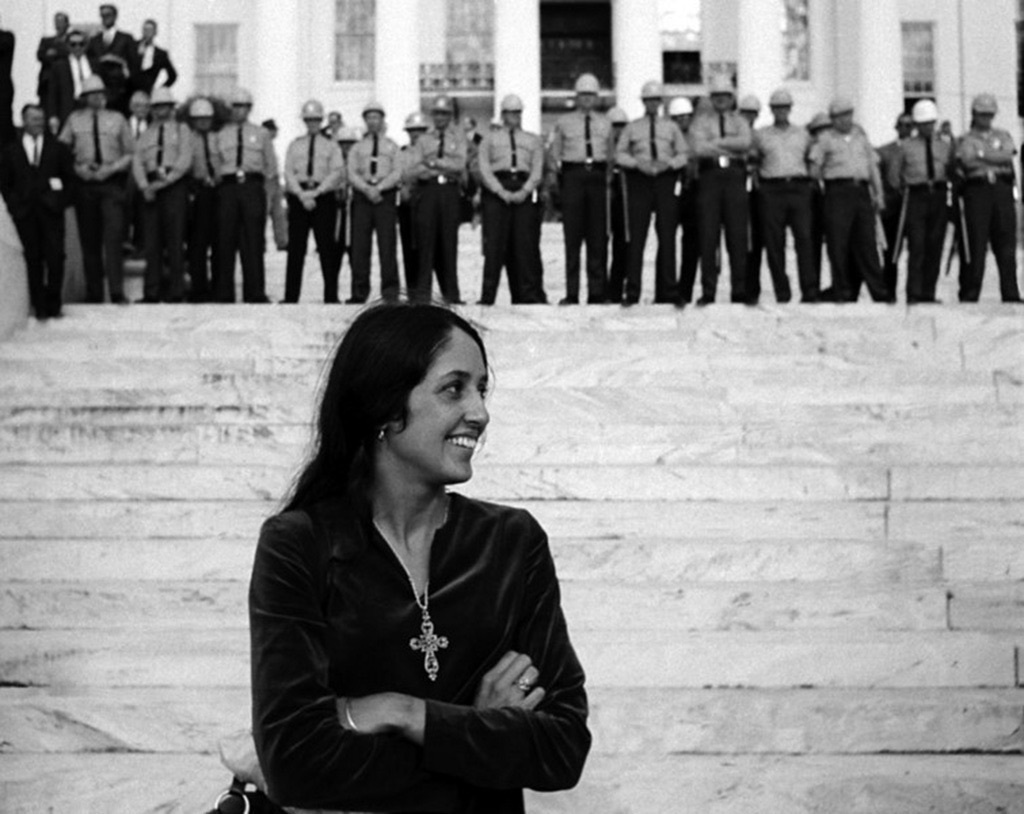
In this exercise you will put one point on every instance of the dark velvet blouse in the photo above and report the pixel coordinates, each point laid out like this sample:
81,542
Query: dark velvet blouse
332,614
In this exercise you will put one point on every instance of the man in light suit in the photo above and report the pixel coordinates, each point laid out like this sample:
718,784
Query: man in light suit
36,173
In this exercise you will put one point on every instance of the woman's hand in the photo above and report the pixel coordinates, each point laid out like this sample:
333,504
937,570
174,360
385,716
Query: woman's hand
382,713
510,683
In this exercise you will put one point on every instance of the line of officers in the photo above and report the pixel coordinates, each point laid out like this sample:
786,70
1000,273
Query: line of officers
709,173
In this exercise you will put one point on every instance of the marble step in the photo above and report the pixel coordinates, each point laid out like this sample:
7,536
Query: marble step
624,722
711,784
635,560
612,658
588,604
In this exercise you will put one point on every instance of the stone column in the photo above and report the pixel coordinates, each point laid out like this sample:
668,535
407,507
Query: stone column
396,61
517,56
879,97
636,51
276,87
759,53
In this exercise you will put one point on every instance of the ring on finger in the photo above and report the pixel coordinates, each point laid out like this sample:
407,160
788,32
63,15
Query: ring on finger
524,684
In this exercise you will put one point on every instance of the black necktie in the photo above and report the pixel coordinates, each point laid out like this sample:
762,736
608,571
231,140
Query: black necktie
96,138
35,151
654,144
373,157
586,135
206,151
440,144
309,161
238,151
512,141
721,125
929,158
160,147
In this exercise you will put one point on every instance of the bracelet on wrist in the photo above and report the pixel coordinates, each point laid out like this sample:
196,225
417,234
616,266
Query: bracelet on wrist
348,717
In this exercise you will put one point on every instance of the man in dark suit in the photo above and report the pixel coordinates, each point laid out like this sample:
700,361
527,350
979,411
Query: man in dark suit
115,51
150,60
36,172
50,51
66,79
6,86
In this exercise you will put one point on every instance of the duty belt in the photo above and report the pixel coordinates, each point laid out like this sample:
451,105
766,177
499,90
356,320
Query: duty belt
242,177
512,180
786,179
723,162
584,165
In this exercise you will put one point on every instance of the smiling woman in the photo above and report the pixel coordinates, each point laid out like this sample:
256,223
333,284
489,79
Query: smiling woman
409,651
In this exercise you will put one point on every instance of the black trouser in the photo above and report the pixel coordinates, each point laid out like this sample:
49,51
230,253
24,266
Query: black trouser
991,219
852,246
817,229
689,241
649,196
410,251
321,220
241,219
163,227
927,216
755,249
788,204
437,232
202,237
620,246
41,231
368,218
99,209
584,217
722,202
342,236
507,234
890,226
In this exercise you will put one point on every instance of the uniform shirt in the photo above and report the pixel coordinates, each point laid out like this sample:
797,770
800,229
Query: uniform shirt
496,156
115,139
910,164
361,173
257,150
205,159
569,140
849,155
887,156
986,153
451,163
706,134
781,152
635,143
176,154
328,165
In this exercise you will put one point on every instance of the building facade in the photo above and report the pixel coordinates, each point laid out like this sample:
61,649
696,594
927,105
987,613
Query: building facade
883,53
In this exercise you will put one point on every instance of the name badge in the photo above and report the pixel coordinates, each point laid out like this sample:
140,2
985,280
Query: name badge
723,161
56,184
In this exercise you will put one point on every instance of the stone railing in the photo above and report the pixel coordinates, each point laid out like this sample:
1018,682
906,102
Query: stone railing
445,77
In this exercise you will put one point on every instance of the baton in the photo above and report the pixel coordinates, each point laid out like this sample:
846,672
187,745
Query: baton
608,208
880,242
348,220
953,248
963,231
625,205
898,243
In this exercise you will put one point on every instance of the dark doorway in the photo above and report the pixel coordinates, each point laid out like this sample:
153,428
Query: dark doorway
575,38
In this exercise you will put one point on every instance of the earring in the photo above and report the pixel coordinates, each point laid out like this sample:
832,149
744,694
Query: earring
380,434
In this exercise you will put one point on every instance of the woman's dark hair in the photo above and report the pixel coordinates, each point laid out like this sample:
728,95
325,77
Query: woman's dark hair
383,355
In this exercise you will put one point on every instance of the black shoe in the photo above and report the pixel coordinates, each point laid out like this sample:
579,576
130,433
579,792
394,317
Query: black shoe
568,301
486,302
628,302
706,299
122,300
148,301
355,301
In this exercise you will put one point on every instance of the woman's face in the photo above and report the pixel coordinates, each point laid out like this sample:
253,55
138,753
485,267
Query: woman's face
446,417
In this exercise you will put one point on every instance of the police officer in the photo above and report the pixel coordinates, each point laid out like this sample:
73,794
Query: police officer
618,216
579,148
819,123
345,137
985,154
204,176
247,161
750,108
102,146
313,168
375,175
653,151
784,196
923,169
721,140
511,165
440,168
415,126
162,161
680,110
887,158
844,161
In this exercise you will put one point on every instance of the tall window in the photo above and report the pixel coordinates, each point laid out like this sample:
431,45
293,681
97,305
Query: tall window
216,58
796,40
470,35
918,60
354,22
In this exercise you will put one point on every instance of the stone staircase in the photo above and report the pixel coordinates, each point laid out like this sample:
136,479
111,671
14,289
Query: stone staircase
791,543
